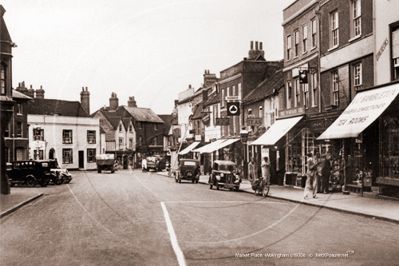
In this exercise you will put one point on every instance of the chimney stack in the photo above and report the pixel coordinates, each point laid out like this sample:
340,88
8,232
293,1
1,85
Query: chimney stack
85,99
30,92
253,54
40,93
113,102
131,102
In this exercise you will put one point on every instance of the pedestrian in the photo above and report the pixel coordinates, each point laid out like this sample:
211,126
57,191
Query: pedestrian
311,176
251,169
266,170
325,173
144,164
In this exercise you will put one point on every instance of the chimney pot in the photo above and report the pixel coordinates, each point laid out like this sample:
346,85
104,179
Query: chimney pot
260,46
256,45
83,88
252,45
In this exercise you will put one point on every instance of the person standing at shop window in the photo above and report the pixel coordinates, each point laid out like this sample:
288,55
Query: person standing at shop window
251,169
266,170
311,176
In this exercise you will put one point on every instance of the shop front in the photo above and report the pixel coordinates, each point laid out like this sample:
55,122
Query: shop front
279,149
365,138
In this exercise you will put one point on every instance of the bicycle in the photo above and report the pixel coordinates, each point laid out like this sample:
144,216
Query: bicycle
261,186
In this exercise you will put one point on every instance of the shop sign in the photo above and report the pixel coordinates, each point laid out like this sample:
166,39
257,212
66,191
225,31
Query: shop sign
382,48
233,109
222,121
233,98
291,112
254,121
321,124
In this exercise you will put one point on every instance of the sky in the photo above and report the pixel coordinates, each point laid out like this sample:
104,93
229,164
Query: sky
152,49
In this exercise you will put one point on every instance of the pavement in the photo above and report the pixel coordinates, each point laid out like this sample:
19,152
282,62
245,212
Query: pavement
375,208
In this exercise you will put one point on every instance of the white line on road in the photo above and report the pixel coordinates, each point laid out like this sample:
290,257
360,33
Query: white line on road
173,238
227,201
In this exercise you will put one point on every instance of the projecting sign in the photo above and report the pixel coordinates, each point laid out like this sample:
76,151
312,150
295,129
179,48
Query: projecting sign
233,98
233,108
222,121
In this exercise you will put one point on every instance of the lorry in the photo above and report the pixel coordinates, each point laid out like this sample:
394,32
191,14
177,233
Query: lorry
105,162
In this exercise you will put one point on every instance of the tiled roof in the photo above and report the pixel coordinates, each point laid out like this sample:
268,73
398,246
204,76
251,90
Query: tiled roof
112,117
142,114
18,95
59,107
213,99
266,88
167,119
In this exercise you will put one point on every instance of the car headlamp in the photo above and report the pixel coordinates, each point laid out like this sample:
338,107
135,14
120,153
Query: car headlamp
218,178
222,175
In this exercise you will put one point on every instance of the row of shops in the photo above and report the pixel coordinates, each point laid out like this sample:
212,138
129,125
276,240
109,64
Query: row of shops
361,141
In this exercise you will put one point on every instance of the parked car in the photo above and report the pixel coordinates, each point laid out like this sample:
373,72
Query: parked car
224,174
105,162
63,176
30,173
189,169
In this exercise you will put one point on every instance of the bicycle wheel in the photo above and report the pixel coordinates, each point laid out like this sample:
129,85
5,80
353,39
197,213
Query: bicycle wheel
265,190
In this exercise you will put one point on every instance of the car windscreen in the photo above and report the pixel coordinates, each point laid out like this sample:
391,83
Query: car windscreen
226,167
190,163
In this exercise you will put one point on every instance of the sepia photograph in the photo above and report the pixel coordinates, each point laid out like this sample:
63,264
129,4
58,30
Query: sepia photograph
198,132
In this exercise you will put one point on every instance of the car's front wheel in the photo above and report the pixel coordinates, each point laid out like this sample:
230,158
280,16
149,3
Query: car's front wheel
30,181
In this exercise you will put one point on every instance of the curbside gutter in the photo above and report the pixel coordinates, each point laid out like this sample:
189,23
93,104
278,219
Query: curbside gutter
9,211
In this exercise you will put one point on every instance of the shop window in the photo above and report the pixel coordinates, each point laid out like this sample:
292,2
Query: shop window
334,30
67,136
296,48
38,134
356,29
67,156
305,39
314,32
3,79
335,88
395,52
19,129
357,76
390,146
91,136
91,155
288,48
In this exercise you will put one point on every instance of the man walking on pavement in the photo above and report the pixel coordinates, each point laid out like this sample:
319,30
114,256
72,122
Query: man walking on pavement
311,176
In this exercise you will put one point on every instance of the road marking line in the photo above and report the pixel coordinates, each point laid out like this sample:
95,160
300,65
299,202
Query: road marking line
227,201
173,238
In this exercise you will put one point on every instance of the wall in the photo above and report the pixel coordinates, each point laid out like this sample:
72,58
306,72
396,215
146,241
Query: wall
53,127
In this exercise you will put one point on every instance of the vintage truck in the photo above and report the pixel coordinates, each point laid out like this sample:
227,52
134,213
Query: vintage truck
105,162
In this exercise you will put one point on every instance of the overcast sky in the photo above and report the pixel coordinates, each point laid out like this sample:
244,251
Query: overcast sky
151,50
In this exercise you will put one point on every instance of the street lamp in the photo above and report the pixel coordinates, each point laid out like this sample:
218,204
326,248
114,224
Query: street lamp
244,139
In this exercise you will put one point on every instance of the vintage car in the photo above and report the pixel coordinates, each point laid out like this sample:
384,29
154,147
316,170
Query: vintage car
155,163
62,175
30,173
189,169
224,174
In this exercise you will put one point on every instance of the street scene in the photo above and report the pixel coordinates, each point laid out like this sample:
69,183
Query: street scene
120,219
199,133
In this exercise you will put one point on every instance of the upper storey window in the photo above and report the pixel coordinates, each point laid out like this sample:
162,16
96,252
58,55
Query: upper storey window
334,29
356,18
288,47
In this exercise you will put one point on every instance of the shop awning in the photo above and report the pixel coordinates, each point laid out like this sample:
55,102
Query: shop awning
226,143
210,147
189,148
365,108
277,131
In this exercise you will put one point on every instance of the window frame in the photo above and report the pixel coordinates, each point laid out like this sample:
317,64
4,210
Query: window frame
19,130
288,92
314,33
296,48
38,134
335,88
305,38
64,138
297,99
92,134
394,57
314,89
357,76
120,143
91,158
334,29
3,79
64,157
289,44
356,13
306,99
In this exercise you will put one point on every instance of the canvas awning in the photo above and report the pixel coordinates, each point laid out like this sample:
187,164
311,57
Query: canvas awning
189,148
210,147
277,131
226,143
365,108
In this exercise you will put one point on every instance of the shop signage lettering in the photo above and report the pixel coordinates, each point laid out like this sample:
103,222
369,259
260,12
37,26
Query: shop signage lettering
222,121
383,46
254,121
293,111
376,96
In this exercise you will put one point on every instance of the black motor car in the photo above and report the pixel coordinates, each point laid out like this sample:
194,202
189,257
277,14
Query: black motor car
224,174
189,169
61,175
30,173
